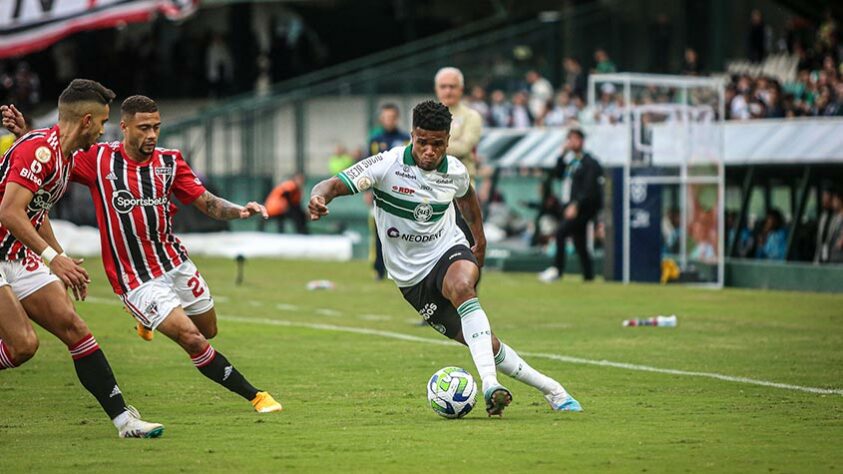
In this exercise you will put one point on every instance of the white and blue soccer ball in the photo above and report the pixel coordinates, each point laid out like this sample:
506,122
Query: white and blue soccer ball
452,392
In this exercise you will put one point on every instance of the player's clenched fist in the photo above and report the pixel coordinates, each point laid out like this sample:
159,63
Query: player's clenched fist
317,207
252,209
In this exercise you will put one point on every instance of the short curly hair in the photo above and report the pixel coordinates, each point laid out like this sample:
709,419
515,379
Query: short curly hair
138,104
433,116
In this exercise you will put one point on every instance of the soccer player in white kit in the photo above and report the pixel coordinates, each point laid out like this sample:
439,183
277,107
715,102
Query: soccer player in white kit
427,254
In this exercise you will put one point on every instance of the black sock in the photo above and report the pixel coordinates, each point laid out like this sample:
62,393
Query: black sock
96,376
216,367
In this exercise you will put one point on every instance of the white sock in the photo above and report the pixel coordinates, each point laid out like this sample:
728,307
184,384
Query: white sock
121,419
478,335
510,363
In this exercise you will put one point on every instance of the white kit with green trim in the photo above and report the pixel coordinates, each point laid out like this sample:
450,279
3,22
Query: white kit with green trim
413,209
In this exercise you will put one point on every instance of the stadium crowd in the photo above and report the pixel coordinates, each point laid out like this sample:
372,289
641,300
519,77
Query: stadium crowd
811,83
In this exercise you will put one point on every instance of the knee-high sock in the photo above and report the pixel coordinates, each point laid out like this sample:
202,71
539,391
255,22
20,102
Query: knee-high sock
478,335
94,372
216,367
510,363
5,357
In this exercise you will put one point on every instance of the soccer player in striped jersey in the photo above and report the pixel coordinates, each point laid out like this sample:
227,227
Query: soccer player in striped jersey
428,255
132,183
34,271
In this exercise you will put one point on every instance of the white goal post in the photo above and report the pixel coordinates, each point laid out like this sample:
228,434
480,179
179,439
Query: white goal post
673,130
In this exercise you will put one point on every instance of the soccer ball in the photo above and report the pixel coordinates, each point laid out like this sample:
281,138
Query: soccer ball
451,392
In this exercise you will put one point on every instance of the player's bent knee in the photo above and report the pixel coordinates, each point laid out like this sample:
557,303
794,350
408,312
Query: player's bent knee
73,328
24,349
461,290
209,330
192,341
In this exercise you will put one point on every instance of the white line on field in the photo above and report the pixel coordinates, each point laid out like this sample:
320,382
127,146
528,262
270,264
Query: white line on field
557,357
374,317
287,307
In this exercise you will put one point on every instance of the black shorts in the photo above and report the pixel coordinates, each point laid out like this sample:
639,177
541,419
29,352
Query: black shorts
427,298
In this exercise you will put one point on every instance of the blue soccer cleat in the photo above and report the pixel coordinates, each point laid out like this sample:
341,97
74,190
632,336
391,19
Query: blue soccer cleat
562,402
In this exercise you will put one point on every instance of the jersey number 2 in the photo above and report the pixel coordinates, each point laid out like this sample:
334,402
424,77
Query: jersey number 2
196,285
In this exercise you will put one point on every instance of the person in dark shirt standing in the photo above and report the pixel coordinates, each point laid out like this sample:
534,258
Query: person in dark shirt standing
389,135
582,199
386,138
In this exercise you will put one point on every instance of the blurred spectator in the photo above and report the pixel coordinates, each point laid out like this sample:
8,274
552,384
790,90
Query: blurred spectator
835,240
826,215
660,40
575,79
828,34
520,116
603,64
772,238
608,109
6,141
220,72
671,225
563,111
26,87
541,92
477,101
284,202
757,37
466,128
466,125
743,234
691,63
340,160
389,135
500,113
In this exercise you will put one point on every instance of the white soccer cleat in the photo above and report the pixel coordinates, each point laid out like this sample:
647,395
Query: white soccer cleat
550,275
560,400
134,427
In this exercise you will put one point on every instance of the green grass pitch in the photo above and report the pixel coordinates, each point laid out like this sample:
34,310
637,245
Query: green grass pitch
355,401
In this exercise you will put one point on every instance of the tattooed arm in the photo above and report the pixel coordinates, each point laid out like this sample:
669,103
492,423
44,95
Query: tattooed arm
222,210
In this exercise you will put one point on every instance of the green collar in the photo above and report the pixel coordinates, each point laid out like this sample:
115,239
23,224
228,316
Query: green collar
409,161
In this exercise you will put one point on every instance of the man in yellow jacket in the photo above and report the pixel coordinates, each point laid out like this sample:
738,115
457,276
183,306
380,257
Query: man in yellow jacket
466,125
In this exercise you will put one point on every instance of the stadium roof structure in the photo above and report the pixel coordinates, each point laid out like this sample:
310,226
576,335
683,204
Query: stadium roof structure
755,142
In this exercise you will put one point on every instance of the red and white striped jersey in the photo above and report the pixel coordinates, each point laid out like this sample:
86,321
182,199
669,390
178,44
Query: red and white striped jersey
134,211
35,162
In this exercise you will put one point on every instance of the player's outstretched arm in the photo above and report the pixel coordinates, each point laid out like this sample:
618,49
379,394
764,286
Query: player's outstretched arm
223,210
470,210
13,217
322,194
13,120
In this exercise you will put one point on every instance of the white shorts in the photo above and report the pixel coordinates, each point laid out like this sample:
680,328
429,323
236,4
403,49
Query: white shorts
154,300
25,276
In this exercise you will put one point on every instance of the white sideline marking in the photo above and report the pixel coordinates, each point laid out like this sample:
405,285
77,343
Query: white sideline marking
327,312
557,357
287,307
561,358
374,317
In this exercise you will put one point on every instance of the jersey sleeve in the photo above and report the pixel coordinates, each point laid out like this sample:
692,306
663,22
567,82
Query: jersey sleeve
461,179
186,185
85,166
31,164
365,173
